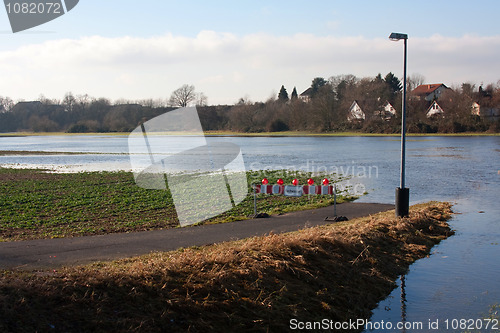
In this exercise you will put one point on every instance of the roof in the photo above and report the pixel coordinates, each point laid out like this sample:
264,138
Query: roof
29,103
32,105
354,104
307,92
426,89
355,112
434,109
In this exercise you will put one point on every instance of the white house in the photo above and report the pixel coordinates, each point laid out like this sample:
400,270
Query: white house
387,112
489,113
475,109
434,110
388,108
306,95
355,113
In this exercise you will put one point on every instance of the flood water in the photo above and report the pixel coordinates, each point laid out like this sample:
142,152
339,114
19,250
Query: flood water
460,280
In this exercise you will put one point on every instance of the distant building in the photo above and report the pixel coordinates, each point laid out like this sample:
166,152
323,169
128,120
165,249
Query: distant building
36,107
475,109
429,92
387,112
486,112
355,113
434,110
31,106
306,95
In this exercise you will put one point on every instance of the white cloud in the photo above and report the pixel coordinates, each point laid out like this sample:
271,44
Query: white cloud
226,66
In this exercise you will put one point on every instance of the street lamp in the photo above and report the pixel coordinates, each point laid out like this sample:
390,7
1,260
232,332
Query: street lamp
402,193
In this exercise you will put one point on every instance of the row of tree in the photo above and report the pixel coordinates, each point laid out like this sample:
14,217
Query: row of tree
83,113
323,107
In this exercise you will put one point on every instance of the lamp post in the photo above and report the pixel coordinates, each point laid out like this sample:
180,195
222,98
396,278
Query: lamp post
402,193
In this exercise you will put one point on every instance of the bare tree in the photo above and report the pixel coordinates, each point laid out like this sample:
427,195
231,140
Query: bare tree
201,99
83,101
414,81
183,96
467,89
148,102
47,101
122,101
69,101
6,103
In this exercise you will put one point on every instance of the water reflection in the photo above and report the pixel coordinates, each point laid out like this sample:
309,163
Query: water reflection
460,278
403,301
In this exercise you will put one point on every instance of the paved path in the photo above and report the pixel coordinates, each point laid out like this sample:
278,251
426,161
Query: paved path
54,253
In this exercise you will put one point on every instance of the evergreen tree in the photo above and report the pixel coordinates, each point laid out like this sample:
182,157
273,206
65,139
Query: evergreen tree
283,95
393,83
294,93
317,84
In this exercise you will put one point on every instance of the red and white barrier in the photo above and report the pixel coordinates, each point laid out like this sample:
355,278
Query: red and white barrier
295,191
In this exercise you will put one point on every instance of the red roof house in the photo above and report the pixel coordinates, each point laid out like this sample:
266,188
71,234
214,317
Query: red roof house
429,92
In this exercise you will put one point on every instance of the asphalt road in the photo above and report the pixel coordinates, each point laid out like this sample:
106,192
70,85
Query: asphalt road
46,254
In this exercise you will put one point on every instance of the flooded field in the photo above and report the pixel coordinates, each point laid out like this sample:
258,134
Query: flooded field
458,281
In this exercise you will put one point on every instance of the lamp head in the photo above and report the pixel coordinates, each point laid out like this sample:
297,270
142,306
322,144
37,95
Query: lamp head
395,36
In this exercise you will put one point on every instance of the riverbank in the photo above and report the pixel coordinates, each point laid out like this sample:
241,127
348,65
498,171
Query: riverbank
339,272
259,134
340,134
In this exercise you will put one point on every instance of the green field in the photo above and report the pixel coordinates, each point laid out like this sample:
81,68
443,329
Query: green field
38,204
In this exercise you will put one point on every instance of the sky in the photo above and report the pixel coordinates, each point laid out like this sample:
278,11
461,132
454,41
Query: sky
123,49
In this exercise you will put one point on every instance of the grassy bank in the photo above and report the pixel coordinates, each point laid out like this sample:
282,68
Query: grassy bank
36,204
338,272
257,134
305,133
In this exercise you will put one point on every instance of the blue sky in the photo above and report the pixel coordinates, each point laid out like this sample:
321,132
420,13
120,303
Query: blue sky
228,50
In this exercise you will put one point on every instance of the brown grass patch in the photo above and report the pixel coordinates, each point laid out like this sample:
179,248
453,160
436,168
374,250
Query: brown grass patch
339,272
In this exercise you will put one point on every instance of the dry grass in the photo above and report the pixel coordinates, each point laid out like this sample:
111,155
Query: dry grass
337,272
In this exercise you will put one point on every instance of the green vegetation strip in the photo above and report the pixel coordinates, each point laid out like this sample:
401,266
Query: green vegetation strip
341,134
338,272
37,204
257,134
41,152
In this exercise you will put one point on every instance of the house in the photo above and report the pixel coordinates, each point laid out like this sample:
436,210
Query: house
486,112
306,95
355,113
475,109
429,92
434,110
33,106
387,112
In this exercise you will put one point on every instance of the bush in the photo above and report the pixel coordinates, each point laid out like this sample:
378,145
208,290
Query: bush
278,125
78,128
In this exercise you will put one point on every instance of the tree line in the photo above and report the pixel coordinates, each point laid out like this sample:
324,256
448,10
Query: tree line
323,107
83,113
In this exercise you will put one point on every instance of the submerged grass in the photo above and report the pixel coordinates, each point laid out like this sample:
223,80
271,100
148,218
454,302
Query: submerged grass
340,272
37,204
